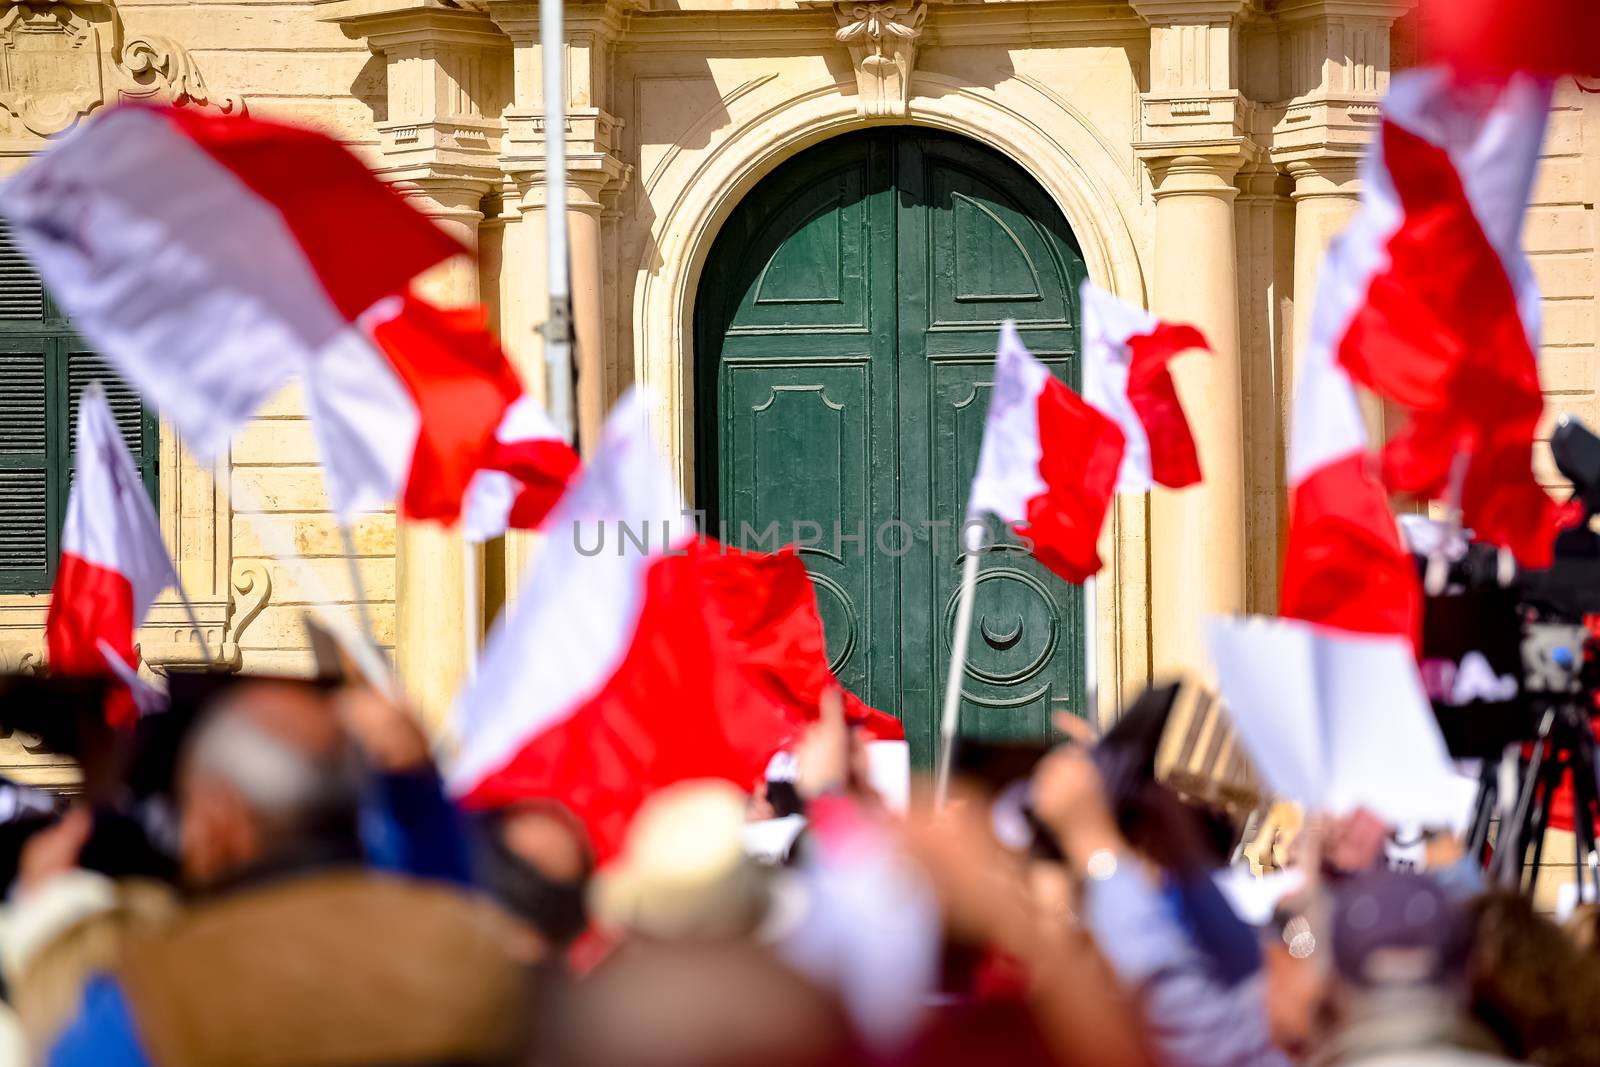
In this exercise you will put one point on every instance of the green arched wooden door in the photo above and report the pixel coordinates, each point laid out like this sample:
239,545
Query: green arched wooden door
846,328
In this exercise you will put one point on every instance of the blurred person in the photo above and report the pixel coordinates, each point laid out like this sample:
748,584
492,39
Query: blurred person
1196,1013
294,952
1530,985
683,874
86,885
1397,989
698,1003
534,858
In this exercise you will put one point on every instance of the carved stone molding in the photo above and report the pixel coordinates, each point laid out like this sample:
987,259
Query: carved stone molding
252,588
62,59
882,38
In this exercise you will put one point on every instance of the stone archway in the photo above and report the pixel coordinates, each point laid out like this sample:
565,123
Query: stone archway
770,122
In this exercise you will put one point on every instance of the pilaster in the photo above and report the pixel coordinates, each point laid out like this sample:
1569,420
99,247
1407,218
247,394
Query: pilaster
1194,126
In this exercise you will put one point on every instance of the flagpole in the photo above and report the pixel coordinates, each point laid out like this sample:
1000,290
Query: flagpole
357,586
469,566
558,336
958,660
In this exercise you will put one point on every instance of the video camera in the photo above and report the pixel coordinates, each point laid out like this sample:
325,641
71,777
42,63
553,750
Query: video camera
1501,646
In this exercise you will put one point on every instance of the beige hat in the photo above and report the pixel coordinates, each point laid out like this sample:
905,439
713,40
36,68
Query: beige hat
683,872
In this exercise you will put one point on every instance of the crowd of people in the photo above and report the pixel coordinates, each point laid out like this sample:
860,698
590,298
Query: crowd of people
330,907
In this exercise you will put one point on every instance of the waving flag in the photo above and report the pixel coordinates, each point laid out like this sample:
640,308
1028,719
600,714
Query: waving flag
113,562
269,240
1344,564
639,660
279,253
1125,354
1052,460
1428,300
420,415
528,466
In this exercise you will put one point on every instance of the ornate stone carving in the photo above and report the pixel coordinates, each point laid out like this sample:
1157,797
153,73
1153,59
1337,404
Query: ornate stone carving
882,38
252,587
62,59
167,70
50,65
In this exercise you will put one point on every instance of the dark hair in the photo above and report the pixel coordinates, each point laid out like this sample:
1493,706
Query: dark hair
1530,986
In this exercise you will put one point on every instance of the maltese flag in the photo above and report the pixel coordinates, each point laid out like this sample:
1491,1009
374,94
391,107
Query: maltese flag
1125,354
1052,460
1428,300
279,254
113,562
637,656
1344,563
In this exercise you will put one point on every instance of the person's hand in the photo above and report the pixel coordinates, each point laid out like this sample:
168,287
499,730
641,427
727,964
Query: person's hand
54,850
823,754
387,734
1070,798
980,886
1354,842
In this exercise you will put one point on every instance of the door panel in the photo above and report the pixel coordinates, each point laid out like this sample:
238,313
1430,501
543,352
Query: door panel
846,333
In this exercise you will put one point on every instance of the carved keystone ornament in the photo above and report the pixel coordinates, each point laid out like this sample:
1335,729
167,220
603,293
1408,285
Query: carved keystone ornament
882,38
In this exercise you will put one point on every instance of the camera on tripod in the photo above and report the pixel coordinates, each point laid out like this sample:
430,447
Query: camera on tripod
1511,662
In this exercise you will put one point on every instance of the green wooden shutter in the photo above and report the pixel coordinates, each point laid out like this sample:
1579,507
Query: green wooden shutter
27,547
44,367
21,291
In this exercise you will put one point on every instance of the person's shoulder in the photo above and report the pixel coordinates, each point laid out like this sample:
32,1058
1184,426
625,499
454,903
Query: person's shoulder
102,1034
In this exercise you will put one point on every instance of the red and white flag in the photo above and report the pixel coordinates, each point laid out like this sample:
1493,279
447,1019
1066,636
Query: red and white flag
1125,354
431,416
279,254
635,655
1428,299
1051,460
528,467
1344,563
113,562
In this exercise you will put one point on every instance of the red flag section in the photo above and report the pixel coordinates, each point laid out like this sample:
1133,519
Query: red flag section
1049,462
1498,36
621,671
113,562
1446,322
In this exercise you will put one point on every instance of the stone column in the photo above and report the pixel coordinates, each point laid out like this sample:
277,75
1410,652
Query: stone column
1264,221
1194,136
585,230
431,623
1337,70
448,75
1198,551
595,175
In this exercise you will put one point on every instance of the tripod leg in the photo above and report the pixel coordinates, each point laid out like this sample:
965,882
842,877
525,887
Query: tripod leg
1539,822
1584,810
1477,842
1511,845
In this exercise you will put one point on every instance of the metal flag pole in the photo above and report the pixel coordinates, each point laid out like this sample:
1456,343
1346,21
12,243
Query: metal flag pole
469,566
958,660
558,337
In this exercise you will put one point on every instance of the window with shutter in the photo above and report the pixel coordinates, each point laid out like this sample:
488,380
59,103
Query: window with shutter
44,367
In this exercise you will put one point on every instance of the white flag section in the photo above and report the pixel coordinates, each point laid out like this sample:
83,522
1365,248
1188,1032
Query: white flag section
1337,720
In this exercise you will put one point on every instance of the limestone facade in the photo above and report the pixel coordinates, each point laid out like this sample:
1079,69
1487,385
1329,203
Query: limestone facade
1203,151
